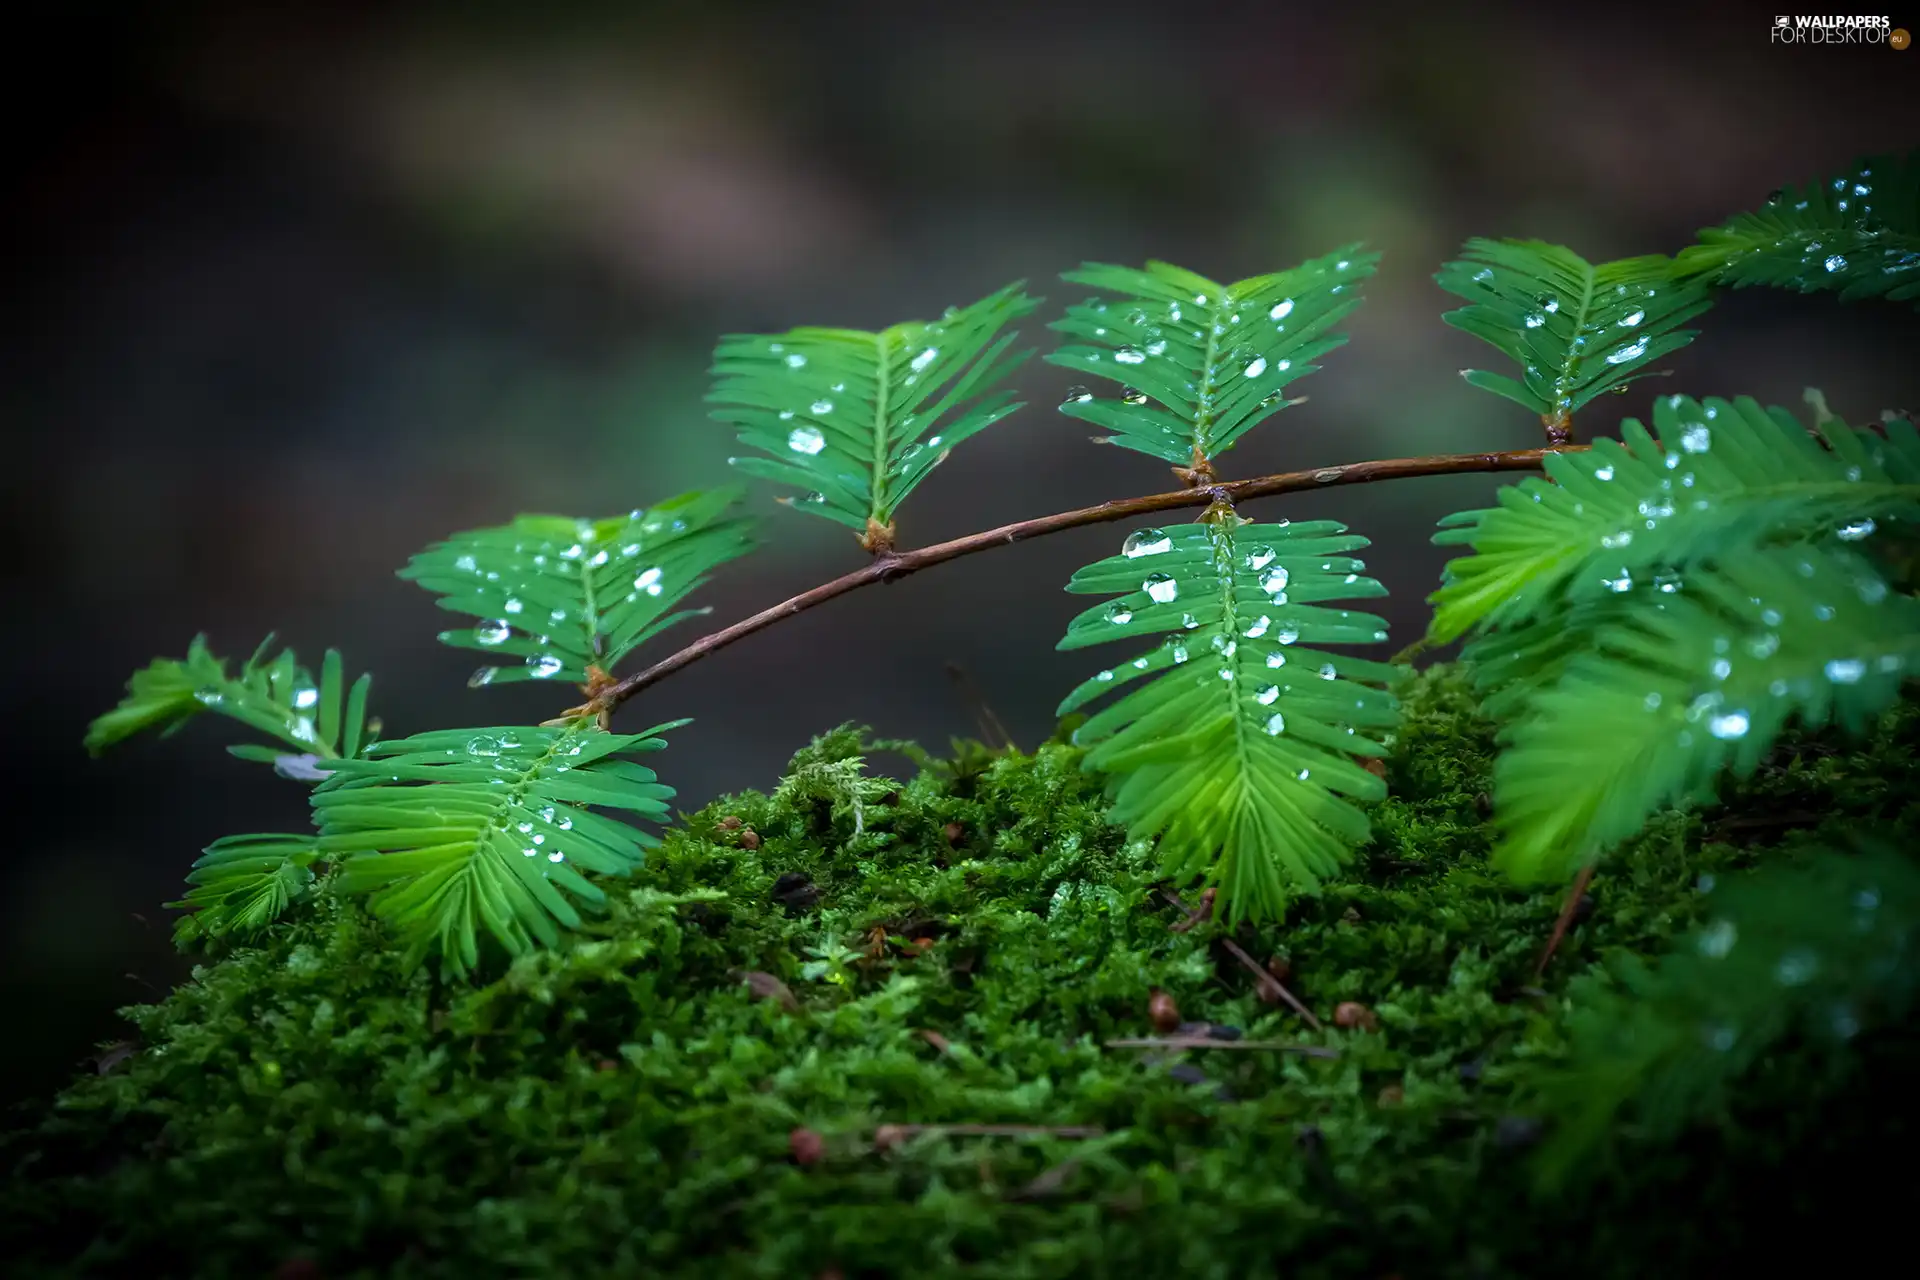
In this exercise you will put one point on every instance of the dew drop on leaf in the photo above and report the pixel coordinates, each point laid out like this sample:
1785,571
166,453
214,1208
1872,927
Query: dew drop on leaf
808,440
1146,542
1161,587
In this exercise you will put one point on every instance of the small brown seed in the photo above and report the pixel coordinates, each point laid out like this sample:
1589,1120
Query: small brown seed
807,1146
956,835
1163,1012
731,823
1375,766
749,839
1351,1014
1279,967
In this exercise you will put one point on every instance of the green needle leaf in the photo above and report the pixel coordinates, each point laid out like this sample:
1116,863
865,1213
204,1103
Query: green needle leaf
560,594
856,420
1236,745
1202,363
1857,234
1577,330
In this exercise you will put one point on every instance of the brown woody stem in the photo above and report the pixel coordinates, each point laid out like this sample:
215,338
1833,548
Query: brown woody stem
891,565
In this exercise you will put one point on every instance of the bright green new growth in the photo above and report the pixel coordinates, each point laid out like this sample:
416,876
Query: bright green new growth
1858,234
468,830
1578,330
564,595
1235,752
1203,363
844,414
278,698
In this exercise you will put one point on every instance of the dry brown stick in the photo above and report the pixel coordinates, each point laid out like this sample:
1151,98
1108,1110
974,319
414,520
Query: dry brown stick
1565,922
1270,985
1208,1042
891,565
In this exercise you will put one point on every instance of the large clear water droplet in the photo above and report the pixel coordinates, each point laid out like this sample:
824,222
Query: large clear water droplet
1146,542
492,632
544,666
807,440
1161,587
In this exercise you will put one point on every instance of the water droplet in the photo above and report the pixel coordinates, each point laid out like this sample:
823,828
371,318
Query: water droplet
492,632
1161,587
483,745
920,362
1104,676
1614,541
648,581
1281,310
1146,542
1188,622
1628,322
1256,367
1285,635
1274,579
1651,702
1845,670
1077,395
1178,652
1796,968
1632,351
1133,395
1158,347
1119,614
807,440
1276,724
1717,939
544,665
304,698
1259,558
1535,320
1259,627
1695,439
795,360
819,406
1127,355
1836,263
1856,531
1730,726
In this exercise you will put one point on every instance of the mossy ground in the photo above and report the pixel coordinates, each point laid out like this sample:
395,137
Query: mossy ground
628,1106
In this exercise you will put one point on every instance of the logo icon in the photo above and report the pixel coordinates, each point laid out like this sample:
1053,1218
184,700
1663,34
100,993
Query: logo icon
1781,20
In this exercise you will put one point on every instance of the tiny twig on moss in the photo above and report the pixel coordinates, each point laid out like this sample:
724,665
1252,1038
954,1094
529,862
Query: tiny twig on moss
1270,987
890,565
1565,922
888,1135
1208,1042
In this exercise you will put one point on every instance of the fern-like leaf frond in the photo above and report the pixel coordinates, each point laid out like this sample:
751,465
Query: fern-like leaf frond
462,830
562,595
1681,686
1577,329
855,419
1722,476
242,884
1822,949
278,697
1236,745
1857,234
1202,363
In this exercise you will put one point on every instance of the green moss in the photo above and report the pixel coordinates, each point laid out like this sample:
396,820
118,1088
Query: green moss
625,1107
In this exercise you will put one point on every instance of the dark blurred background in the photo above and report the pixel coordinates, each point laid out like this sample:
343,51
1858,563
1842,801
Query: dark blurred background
295,290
